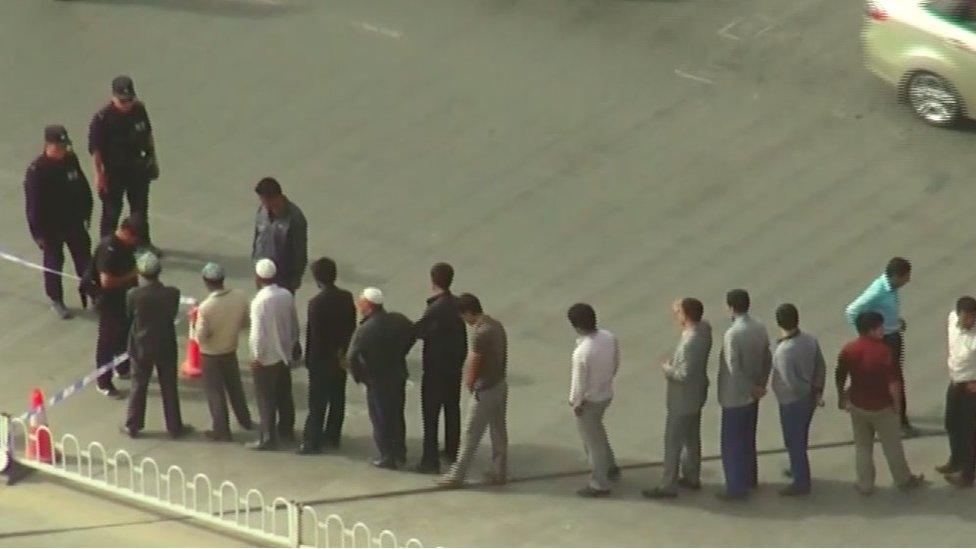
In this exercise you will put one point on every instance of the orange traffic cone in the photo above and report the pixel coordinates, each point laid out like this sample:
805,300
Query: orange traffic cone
39,435
191,366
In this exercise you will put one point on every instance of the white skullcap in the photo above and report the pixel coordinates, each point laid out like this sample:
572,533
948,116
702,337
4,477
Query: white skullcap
265,268
373,295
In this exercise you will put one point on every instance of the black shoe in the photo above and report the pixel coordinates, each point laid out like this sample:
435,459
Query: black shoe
128,432
401,461
330,444
448,456
946,469
590,492
689,484
287,437
261,446
727,497
613,473
247,425
659,493
307,450
217,437
958,480
110,392
428,468
60,310
384,464
793,490
914,481
182,432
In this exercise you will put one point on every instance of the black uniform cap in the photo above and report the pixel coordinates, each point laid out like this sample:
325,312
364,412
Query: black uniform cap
55,133
123,88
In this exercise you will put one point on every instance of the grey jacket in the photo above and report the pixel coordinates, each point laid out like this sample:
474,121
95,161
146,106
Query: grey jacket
744,362
152,309
687,371
380,346
798,368
284,240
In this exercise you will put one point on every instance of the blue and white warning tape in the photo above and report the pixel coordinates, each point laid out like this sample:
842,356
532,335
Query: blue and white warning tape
87,380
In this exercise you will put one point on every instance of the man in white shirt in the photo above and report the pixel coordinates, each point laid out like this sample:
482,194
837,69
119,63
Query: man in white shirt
960,412
595,362
273,336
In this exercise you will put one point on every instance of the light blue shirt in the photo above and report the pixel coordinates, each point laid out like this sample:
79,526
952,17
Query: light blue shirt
880,296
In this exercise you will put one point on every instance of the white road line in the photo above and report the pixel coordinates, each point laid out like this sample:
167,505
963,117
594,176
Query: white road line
390,33
701,79
724,31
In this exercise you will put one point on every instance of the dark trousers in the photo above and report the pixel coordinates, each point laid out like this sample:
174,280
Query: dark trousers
222,379
136,191
795,420
79,245
682,448
141,374
385,399
739,459
272,386
960,424
326,394
113,335
897,346
441,391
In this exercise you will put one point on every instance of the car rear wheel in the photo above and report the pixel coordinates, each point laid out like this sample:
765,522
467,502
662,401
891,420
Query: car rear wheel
933,99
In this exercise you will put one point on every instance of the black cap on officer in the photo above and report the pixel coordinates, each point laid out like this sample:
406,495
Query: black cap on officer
123,88
55,133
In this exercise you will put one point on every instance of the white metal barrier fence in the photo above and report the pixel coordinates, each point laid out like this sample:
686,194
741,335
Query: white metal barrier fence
282,522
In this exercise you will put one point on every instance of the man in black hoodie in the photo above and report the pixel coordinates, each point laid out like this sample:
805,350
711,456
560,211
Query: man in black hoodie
444,350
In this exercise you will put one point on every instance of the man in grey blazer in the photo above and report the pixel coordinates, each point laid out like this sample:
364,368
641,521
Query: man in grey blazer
152,309
744,366
687,378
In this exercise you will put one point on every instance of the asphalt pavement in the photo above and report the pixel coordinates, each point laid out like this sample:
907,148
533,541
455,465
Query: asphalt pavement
620,152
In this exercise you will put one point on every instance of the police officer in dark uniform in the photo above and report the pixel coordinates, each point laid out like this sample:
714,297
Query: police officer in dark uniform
59,208
114,273
121,142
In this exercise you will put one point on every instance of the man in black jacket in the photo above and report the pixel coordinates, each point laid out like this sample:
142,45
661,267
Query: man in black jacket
59,209
378,358
445,348
331,323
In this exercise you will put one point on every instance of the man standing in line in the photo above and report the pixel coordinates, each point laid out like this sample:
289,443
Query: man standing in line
798,382
960,407
873,400
113,273
274,333
152,309
883,296
120,140
280,234
487,370
59,208
687,377
445,347
221,318
595,362
744,365
331,323
378,359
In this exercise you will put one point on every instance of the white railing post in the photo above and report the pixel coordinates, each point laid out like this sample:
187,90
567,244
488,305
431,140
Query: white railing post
294,525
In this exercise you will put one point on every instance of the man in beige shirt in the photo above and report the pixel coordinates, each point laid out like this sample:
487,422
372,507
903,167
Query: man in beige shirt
221,318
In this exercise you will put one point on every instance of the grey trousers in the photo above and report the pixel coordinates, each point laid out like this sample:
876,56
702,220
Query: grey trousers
887,424
595,443
682,445
487,411
222,380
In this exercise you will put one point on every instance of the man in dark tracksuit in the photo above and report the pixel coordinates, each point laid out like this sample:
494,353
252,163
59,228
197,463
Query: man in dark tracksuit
152,309
378,358
120,141
331,323
113,273
445,348
59,208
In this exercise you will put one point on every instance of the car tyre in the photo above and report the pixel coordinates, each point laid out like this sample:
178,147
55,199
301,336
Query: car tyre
933,99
